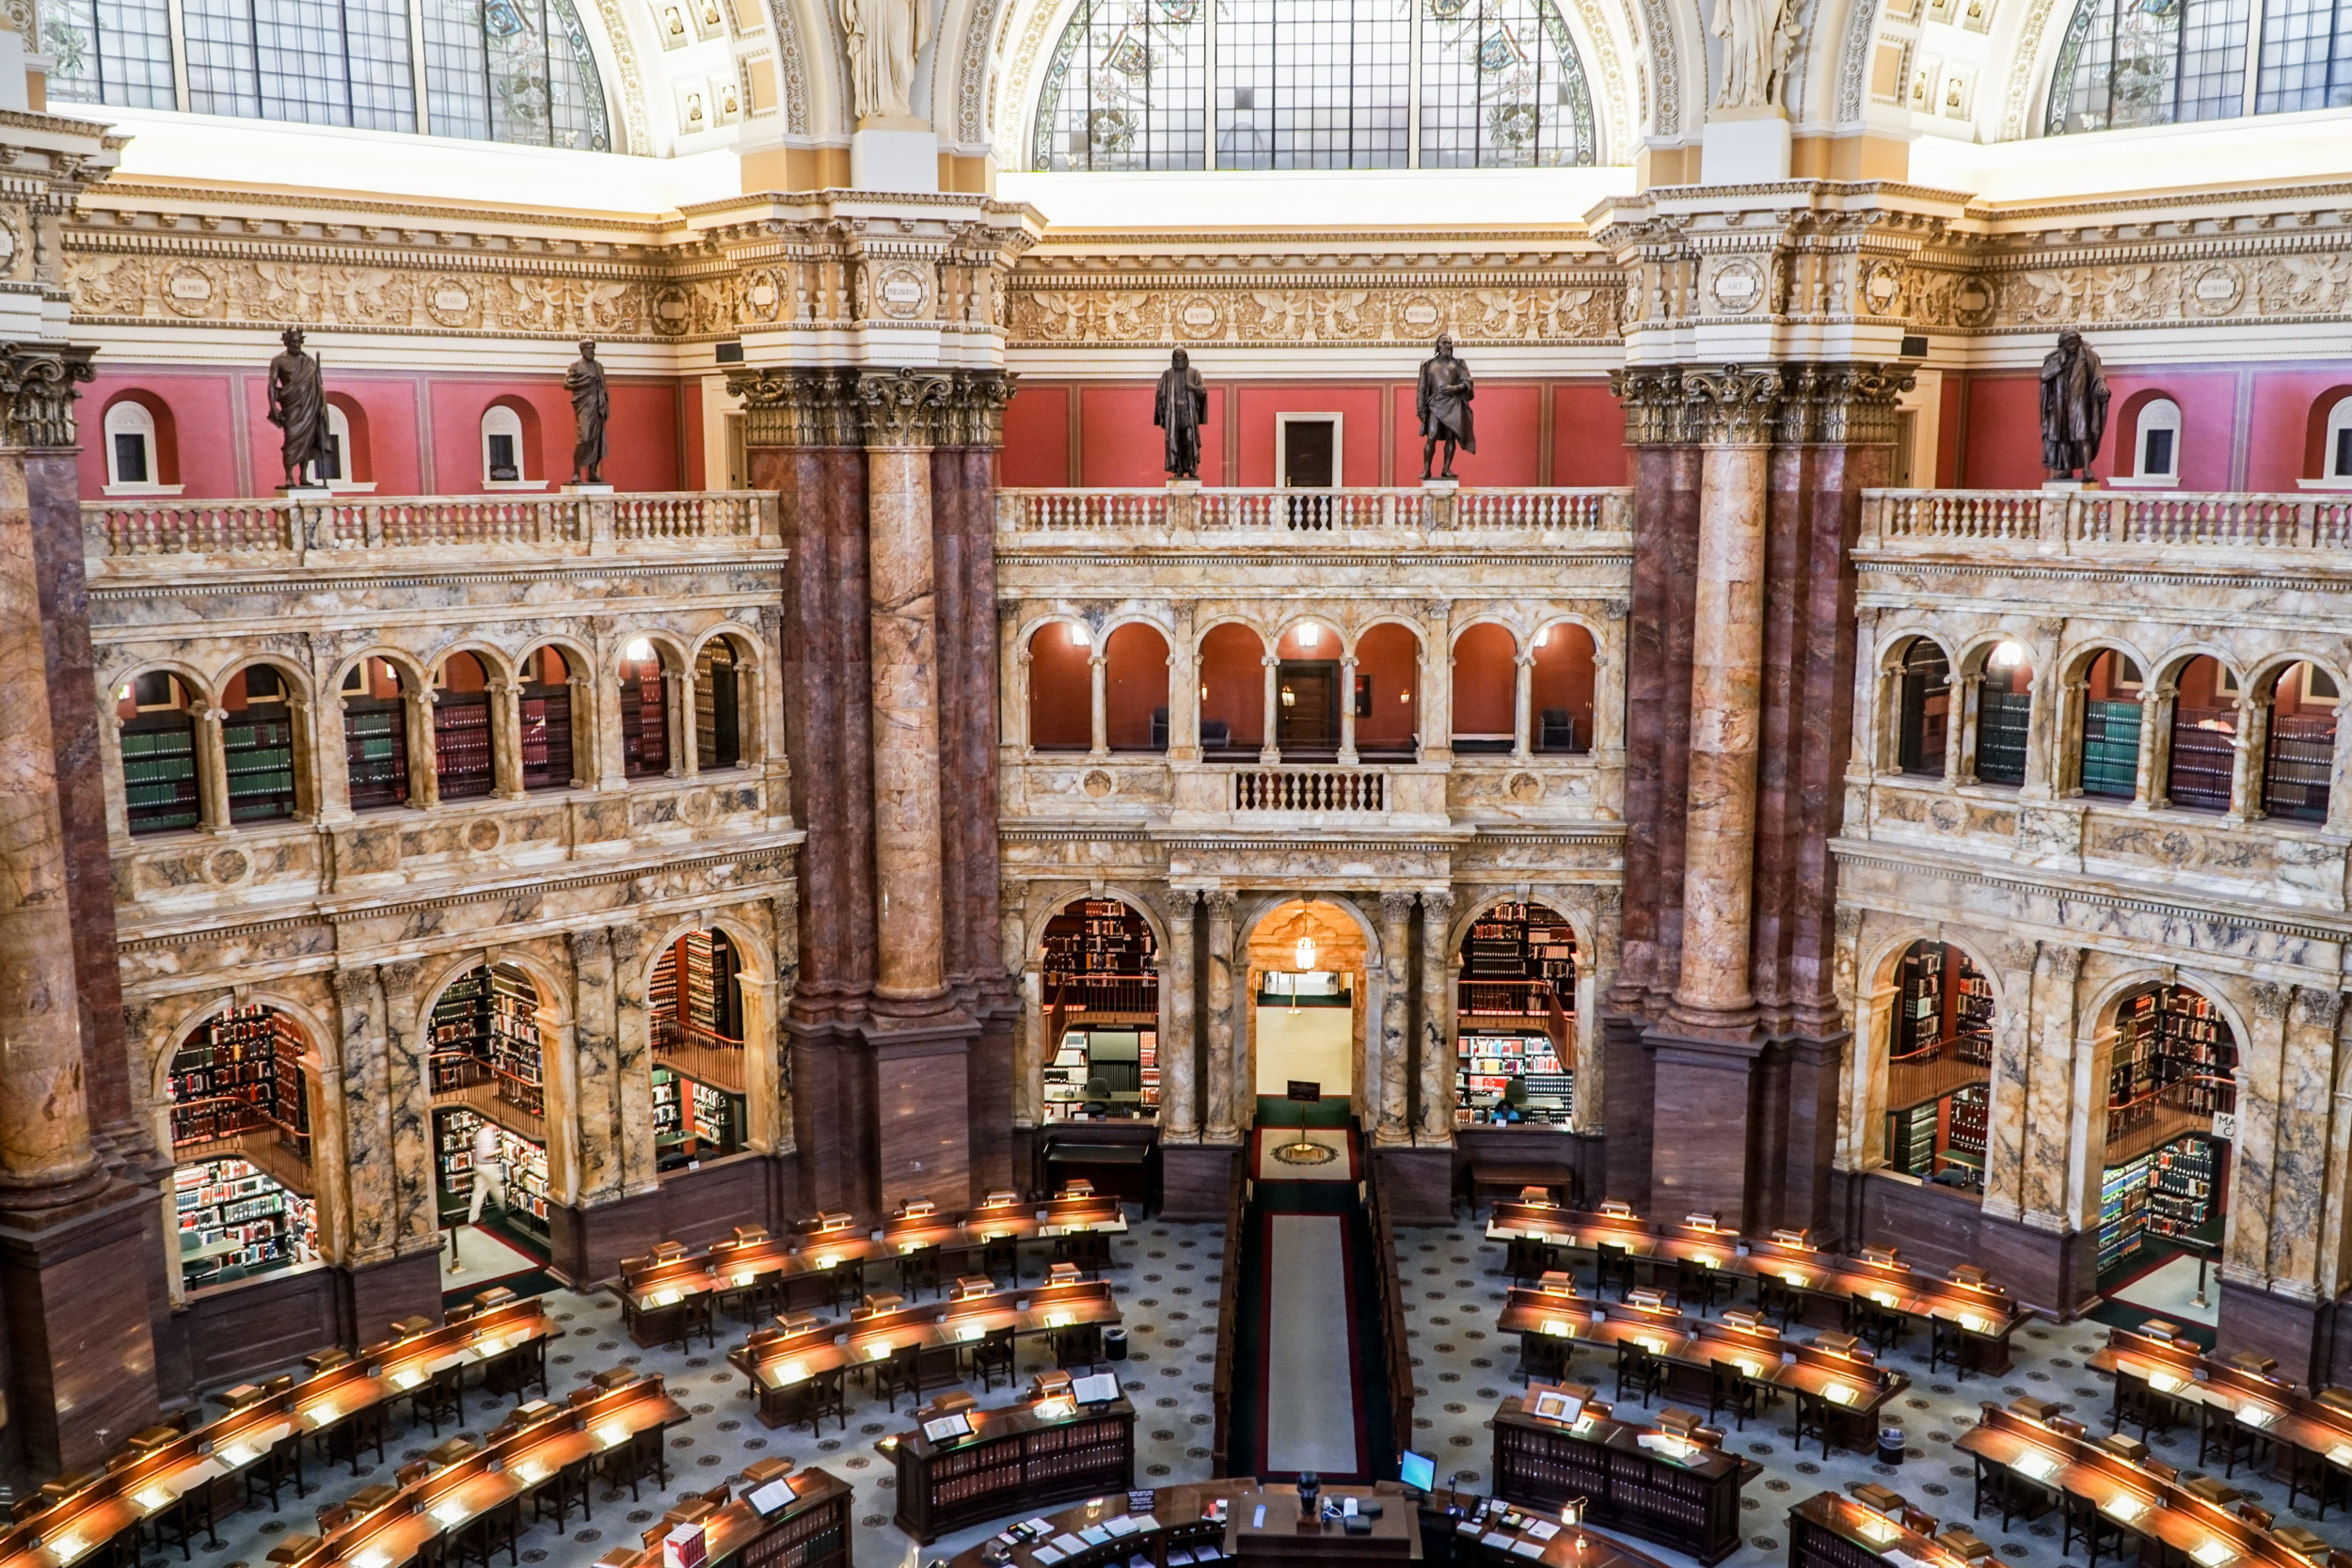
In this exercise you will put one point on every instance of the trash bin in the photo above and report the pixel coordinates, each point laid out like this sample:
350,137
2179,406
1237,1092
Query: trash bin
1115,1345
1890,1442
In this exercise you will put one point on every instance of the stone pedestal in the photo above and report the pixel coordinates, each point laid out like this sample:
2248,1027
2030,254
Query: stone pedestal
1745,147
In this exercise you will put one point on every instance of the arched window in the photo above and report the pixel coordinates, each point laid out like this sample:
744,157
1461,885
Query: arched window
462,765
546,720
2004,713
136,450
2110,759
1388,692
1101,995
240,1102
1232,691
1939,1066
2335,440
1485,690
1062,687
1515,1018
502,446
1135,688
697,999
1306,694
2157,442
2204,737
375,735
2171,1102
1561,690
2300,757
257,737
159,771
1313,83
645,713
489,1078
1924,720
511,71
718,704
2127,62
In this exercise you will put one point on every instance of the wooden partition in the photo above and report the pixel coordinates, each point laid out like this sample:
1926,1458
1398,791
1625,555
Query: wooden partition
1398,1359
1228,1304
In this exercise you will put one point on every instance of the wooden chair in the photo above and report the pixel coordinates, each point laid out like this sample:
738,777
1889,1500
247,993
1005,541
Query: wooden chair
1947,1346
1543,1357
630,1462
1639,1370
1779,1300
1813,1416
1529,1261
1081,1346
495,1529
517,1371
918,1270
1695,1282
1732,1387
363,1429
2087,1523
824,1397
1002,1258
1090,1249
569,1484
197,1509
280,1467
900,1372
1617,1264
438,1398
993,1355
1881,1327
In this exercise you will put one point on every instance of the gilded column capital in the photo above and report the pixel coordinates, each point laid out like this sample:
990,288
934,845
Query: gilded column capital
906,408
800,408
975,412
37,392
1733,405
2317,1009
1656,412
1842,405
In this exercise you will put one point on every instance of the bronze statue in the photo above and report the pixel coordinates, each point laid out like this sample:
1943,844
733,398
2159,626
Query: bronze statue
1443,405
1178,409
2074,407
297,406
591,405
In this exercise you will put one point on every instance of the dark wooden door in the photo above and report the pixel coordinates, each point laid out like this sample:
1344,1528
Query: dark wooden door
1307,700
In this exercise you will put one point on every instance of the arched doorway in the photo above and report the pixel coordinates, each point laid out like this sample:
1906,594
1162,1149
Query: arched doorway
1307,993
1939,1066
2171,1117
488,1082
1515,1019
1099,964
700,1103
239,1092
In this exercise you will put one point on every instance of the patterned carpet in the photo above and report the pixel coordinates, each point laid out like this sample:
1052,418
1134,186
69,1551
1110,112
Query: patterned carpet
1168,1278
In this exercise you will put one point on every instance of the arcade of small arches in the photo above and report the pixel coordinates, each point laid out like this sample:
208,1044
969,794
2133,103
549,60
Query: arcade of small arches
2189,730
253,743
260,1105
1334,692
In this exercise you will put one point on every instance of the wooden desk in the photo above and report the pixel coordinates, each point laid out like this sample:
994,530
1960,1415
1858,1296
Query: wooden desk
134,1488
1018,1459
810,1531
2312,1439
1686,1498
1489,1539
1827,1531
397,1531
777,1366
1285,1538
1177,1528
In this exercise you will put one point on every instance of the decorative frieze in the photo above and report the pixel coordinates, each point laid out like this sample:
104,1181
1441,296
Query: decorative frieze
1057,308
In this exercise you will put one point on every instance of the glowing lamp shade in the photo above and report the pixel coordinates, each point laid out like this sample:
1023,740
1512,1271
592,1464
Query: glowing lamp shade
1080,636
1304,953
1310,635
638,652
2007,654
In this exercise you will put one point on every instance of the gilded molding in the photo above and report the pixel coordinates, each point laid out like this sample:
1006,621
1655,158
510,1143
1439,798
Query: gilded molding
1843,404
1755,405
799,407
905,408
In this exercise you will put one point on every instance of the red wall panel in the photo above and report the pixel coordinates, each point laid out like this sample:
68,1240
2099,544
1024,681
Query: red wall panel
1062,688
2277,455
1587,435
2004,432
1389,655
1358,406
2208,423
200,404
1037,438
1504,418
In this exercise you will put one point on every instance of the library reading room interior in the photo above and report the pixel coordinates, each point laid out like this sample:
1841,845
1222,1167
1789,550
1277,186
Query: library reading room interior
1433,781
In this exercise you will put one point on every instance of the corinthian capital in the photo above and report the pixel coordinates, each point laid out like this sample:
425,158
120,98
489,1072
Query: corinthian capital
1732,404
906,407
1843,404
1656,412
800,408
37,392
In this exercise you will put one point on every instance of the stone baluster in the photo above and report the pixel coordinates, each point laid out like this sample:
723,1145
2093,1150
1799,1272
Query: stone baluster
1522,694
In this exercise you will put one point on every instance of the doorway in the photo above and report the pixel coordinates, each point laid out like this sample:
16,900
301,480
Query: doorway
1307,712
1311,451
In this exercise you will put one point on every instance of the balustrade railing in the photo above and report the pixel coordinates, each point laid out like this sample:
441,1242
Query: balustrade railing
2094,522
1309,789
127,528
1388,510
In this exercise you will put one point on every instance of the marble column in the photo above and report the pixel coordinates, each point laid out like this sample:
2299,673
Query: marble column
1347,711
2246,750
1030,1048
905,693
506,740
1224,1095
407,1040
1397,924
1522,690
678,703
1097,683
1183,691
632,1057
1437,1018
2148,778
1180,1110
211,767
594,1046
1435,712
1269,748
1959,740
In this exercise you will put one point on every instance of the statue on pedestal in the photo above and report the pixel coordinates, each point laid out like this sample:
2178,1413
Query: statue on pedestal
1178,409
885,37
2074,407
297,406
1443,405
591,405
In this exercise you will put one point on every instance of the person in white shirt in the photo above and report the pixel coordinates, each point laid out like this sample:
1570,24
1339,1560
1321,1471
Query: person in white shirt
489,1171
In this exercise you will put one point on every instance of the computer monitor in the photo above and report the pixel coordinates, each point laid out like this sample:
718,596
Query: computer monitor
1417,1471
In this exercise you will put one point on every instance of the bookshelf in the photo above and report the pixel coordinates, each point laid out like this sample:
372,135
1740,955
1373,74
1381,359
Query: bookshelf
2204,744
1100,984
461,744
240,1072
526,1161
2170,1045
2185,1189
1022,1463
2110,767
1691,1505
644,720
1514,1003
1097,937
2297,778
2004,721
1126,1060
234,1222
375,750
2123,1212
257,745
813,1532
159,773
547,748
486,1028
1964,1135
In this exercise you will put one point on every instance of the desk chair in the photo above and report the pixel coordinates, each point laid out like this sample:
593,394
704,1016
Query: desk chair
632,1462
1543,1357
441,1397
1617,1264
2222,1435
845,1283
493,1531
749,1304
1002,1257
1639,1370
1081,1346
556,1494
363,1429
516,1371
1813,1416
695,1315
918,1270
1090,1249
1529,1261
1732,1387
197,1508
280,1467
900,1372
1947,1345
1695,1282
822,1398
2084,1521
2307,1474
1779,1300
2134,1401
993,1355
1881,1327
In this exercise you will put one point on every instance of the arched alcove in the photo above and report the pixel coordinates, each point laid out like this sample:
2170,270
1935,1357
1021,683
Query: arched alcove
1099,995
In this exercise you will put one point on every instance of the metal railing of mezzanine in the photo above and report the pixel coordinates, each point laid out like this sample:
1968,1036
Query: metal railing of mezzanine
1543,511
2092,522
129,528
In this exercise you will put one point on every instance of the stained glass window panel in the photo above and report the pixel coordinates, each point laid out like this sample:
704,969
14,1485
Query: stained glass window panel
2306,56
2149,62
1500,87
1125,88
109,52
1313,83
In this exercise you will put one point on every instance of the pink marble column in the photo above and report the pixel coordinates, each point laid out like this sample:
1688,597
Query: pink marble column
905,638
1396,916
